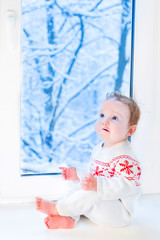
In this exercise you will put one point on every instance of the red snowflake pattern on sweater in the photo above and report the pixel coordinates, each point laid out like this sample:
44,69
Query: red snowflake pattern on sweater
126,167
122,165
98,172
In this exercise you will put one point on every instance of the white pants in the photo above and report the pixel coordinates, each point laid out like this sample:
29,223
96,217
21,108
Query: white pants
102,212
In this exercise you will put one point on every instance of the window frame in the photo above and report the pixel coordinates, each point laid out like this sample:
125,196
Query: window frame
13,187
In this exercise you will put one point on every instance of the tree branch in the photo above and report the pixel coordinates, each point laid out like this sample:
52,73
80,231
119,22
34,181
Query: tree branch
52,123
84,88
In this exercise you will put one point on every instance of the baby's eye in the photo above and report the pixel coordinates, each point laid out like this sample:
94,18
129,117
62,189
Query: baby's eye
114,118
101,115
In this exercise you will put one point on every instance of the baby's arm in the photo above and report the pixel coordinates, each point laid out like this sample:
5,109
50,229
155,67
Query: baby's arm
69,173
125,182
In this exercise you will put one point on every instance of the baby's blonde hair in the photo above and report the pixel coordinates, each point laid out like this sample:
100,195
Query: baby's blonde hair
133,107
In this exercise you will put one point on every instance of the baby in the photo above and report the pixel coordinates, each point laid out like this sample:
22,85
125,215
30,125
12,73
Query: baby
108,192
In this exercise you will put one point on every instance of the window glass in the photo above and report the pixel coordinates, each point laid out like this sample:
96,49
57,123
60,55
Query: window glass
73,53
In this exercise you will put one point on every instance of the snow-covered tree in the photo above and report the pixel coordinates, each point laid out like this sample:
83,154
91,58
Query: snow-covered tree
73,53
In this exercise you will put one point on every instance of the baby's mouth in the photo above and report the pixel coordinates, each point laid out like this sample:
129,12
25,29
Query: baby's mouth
105,129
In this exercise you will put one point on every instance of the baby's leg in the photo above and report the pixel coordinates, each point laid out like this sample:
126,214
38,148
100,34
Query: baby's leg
78,203
109,213
59,222
46,207
71,207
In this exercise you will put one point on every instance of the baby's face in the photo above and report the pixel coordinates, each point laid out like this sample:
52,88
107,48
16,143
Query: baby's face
113,122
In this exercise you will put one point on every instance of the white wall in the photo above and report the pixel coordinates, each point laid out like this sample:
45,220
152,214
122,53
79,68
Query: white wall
146,91
147,86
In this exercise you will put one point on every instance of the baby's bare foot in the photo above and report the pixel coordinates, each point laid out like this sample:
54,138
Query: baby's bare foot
46,207
59,222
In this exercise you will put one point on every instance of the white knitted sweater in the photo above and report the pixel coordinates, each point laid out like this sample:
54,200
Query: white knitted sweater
118,173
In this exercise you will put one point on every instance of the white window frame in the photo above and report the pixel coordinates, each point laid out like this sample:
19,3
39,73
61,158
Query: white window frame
14,188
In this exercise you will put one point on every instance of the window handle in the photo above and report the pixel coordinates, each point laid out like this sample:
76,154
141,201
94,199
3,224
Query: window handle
11,30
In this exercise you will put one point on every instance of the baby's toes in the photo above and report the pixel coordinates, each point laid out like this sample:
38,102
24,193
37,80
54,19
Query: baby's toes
38,203
38,199
46,221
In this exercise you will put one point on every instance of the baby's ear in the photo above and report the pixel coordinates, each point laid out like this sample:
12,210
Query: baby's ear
131,130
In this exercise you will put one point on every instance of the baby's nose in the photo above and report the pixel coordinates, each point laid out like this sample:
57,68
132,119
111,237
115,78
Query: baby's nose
106,122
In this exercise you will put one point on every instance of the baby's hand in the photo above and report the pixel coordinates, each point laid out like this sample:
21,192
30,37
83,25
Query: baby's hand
69,173
89,183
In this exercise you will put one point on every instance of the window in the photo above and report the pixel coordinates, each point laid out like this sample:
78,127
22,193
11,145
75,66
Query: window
146,90
72,55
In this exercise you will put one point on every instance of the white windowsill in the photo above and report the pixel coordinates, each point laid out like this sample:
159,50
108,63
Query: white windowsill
24,222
